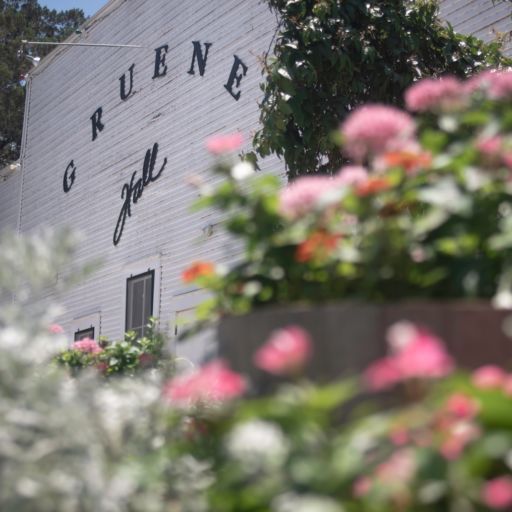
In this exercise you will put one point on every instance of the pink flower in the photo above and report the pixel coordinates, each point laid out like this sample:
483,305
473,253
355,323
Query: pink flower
362,486
497,493
488,377
286,351
424,357
219,144
87,345
55,329
383,374
417,354
400,436
399,468
480,81
506,157
213,382
102,367
301,196
500,84
490,146
497,84
461,406
459,435
507,385
434,94
351,175
372,129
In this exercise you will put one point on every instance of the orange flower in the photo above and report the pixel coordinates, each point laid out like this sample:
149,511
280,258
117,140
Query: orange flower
317,246
409,160
372,186
196,270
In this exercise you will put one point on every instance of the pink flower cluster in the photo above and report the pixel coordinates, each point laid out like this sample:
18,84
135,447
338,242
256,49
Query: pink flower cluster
301,196
495,151
455,425
351,175
55,329
448,93
220,144
497,493
304,194
451,429
214,382
499,84
492,377
430,94
286,351
87,345
373,129
417,354
390,476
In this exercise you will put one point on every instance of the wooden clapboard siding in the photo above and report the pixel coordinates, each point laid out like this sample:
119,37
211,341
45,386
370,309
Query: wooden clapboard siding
178,111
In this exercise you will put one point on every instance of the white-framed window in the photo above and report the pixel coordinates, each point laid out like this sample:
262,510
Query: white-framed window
139,301
87,326
142,296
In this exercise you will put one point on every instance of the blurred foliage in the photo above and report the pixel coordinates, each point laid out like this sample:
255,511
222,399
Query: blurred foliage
24,19
333,55
89,444
441,232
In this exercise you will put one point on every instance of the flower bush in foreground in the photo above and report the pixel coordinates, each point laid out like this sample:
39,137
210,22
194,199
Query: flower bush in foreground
205,442
422,211
445,441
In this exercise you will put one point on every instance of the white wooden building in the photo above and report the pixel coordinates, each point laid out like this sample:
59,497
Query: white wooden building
111,134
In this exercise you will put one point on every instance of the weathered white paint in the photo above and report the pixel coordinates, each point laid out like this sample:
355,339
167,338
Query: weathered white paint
10,189
178,111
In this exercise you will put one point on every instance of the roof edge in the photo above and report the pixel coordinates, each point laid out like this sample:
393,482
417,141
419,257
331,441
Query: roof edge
100,15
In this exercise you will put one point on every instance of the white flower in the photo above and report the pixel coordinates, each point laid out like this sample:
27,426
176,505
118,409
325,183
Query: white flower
291,502
242,170
258,444
12,338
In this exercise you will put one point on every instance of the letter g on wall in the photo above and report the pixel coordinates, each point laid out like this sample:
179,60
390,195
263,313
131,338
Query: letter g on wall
69,177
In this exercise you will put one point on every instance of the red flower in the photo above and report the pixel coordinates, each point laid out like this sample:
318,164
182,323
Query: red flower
197,270
411,161
317,247
372,186
213,382
285,352
497,493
